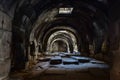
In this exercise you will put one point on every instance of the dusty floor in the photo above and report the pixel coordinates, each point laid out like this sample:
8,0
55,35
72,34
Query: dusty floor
69,68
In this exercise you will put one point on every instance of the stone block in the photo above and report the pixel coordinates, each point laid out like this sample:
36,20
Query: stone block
4,68
7,25
44,59
1,33
1,19
56,60
97,62
69,61
5,44
5,21
81,59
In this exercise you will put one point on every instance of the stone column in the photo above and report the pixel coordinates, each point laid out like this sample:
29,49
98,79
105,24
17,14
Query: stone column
5,44
115,49
115,71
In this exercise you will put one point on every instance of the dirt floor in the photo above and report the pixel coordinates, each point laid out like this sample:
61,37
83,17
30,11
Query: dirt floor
65,68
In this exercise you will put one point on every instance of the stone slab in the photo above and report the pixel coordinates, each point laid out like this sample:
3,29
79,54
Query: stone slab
97,62
56,60
81,59
67,61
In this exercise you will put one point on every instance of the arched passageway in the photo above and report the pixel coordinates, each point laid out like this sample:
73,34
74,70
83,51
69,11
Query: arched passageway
80,29
59,46
65,36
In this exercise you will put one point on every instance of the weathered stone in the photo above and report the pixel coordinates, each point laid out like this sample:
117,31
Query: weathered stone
97,62
1,33
56,60
4,68
81,59
1,19
5,43
115,71
5,21
44,59
70,61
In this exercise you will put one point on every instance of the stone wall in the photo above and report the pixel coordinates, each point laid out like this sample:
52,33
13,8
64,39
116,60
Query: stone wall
5,44
115,71
115,49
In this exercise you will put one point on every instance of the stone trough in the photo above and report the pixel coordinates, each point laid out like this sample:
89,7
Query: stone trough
81,59
67,61
55,60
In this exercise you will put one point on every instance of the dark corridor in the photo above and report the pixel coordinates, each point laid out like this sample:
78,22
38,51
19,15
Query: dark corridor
59,39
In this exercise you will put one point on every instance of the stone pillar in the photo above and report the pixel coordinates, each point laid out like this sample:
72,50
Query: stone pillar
115,71
115,49
5,45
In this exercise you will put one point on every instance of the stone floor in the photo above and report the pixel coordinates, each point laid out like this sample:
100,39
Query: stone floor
69,68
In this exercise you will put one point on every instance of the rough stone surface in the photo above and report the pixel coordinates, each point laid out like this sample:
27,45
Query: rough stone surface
5,45
1,33
4,68
82,71
81,59
5,21
70,61
44,59
115,49
56,60
115,71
